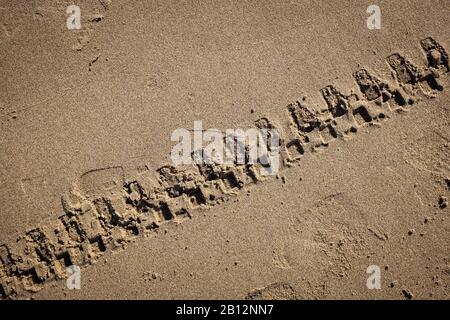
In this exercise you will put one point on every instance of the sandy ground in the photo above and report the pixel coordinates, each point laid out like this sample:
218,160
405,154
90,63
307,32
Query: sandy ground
86,118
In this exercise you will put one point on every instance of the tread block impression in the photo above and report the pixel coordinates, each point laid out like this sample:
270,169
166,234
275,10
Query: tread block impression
5,261
362,115
295,149
176,208
405,71
304,118
338,103
436,55
265,124
89,221
44,248
369,85
377,90
328,133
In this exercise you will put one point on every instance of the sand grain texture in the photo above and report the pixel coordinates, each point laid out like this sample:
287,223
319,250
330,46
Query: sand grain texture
86,117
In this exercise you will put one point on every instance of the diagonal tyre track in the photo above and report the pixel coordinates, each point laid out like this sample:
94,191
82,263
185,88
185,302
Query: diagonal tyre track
104,210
